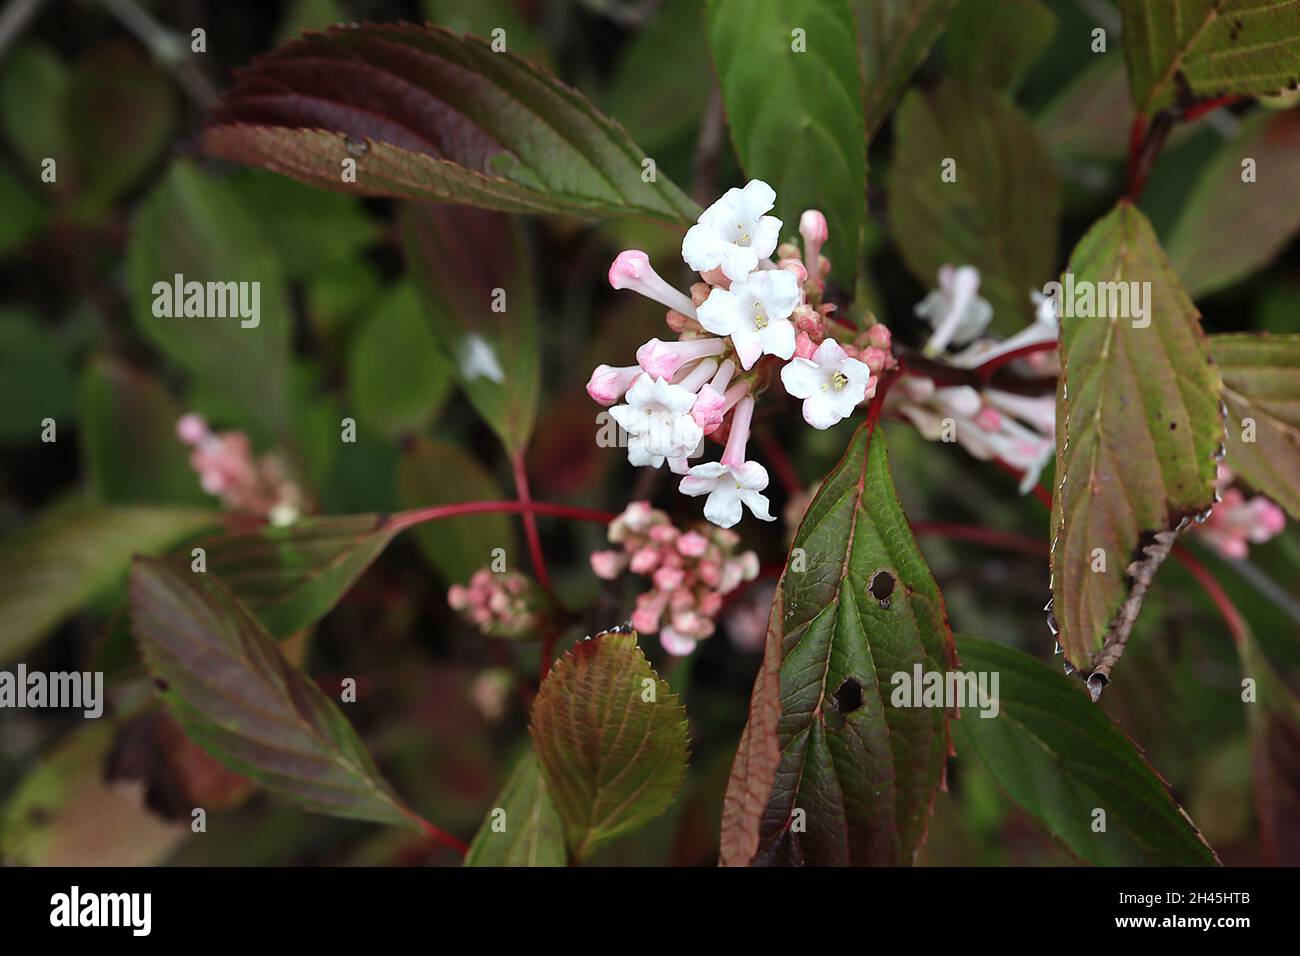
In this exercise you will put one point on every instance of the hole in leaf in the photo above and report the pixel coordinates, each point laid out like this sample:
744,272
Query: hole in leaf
848,696
881,587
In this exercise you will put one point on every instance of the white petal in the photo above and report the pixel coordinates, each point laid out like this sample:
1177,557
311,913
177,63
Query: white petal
821,411
767,233
830,355
779,291
723,506
749,348
759,197
720,313
757,503
703,249
634,421
751,475
739,261
778,338
801,377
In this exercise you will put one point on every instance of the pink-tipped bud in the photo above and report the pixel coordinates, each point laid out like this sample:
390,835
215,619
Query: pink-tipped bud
692,544
645,560
607,564
632,270
880,337
609,383
804,347
662,359
191,428
813,228
709,409
669,579
795,266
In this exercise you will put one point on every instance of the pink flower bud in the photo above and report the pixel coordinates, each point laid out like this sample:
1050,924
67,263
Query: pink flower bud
668,579
795,266
804,347
632,270
608,564
813,228
662,359
880,337
709,409
191,428
678,645
608,383
692,544
645,560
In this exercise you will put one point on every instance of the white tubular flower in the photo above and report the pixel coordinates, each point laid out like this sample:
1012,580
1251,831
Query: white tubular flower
632,270
731,482
657,417
831,384
734,233
955,309
1044,328
755,312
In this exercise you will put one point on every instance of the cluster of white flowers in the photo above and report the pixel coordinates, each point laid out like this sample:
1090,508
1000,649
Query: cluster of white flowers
990,423
705,383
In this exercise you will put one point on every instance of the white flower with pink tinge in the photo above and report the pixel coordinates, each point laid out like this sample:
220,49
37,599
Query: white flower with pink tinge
755,312
732,481
657,418
955,309
830,383
734,234
1237,522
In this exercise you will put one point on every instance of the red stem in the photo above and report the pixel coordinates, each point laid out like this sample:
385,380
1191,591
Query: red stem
439,836
985,371
530,526
406,519
1197,110
1231,616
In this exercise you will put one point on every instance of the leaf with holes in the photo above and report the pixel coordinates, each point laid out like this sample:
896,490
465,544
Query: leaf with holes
73,552
423,113
225,680
475,276
292,576
522,829
1230,225
793,88
1261,389
1138,427
610,738
1209,48
999,214
894,37
830,770
1061,759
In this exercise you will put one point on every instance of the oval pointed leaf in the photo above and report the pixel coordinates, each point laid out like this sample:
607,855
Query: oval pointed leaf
1060,759
474,274
1137,430
236,695
291,576
428,114
610,738
793,88
1261,388
1209,48
894,38
73,552
522,829
1001,212
1231,226
855,606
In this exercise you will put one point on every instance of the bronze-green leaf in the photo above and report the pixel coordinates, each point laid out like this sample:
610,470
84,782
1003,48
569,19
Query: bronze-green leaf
611,740
830,771
225,680
1261,389
522,828
1138,427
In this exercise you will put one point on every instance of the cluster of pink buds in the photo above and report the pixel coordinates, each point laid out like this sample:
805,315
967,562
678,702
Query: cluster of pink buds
745,308
690,572
1237,522
506,604
991,424
227,470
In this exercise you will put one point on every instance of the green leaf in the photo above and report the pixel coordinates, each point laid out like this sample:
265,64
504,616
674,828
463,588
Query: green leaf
127,432
1061,759
1137,430
793,89
228,685
475,275
196,226
25,213
1273,716
995,42
481,17
69,555
1261,388
35,380
428,114
397,376
291,576
1229,227
522,829
436,472
33,91
1210,48
1089,118
855,605
56,815
1001,213
610,738
894,38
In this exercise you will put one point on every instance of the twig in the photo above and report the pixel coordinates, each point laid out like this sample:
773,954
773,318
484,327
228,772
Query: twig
14,20
407,519
165,46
